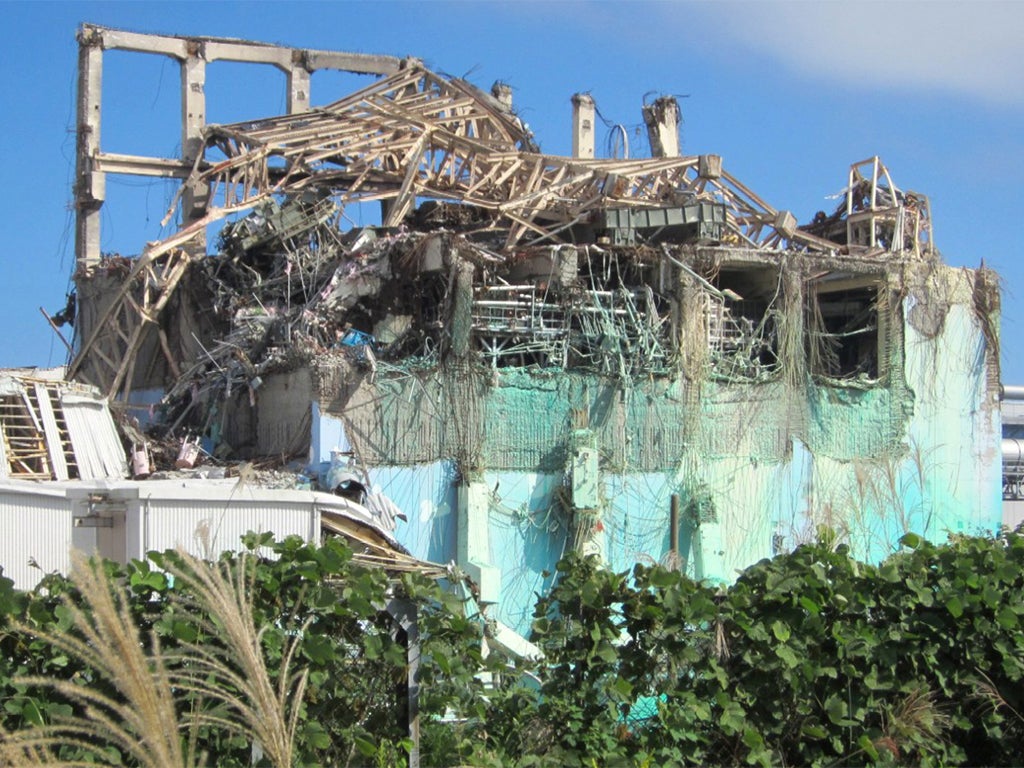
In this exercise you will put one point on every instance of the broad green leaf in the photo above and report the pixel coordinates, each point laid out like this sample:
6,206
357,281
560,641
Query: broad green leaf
366,747
955,607
911,540
1007,618
865,743
781,631
814,732
787,655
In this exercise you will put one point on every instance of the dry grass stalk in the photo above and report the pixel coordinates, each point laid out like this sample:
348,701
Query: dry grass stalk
917,717
988,692
141,722
225,665
233,669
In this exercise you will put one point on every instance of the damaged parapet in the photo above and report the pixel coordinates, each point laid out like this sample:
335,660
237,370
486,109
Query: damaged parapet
876,217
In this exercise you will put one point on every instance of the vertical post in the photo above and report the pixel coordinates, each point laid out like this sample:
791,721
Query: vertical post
662,119
403,613
298,85
583,111
462,307
90,184
673,528
473,548
193,118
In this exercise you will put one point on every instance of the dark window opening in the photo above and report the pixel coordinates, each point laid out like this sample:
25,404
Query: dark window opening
844,337
743,322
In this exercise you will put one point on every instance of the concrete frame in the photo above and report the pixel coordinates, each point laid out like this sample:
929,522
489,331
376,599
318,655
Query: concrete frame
192,54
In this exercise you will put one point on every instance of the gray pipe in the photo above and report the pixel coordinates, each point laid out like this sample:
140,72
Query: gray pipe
1011,392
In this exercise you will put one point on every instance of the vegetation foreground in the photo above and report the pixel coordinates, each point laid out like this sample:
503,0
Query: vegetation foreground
811,658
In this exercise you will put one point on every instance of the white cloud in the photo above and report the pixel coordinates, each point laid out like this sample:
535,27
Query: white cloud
973,49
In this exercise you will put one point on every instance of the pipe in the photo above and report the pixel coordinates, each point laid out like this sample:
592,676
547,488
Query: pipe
673,530
1013,451
1011,392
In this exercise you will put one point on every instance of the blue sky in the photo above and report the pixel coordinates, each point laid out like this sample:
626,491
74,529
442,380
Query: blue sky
788,93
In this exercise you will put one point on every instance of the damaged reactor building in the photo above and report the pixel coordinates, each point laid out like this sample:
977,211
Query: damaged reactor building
529,354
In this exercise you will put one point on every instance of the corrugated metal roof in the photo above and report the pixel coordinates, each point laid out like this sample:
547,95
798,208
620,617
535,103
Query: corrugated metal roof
98,450
54,444
57,430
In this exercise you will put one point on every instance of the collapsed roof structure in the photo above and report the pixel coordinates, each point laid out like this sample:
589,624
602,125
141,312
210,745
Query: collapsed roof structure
639,358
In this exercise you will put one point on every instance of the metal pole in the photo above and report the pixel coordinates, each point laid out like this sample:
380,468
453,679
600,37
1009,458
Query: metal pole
673,523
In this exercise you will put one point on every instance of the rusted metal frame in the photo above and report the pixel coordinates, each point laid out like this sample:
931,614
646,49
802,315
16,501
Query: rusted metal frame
746,191
522,225
326,130
464,142
249,183
434,163
127,368
101,324
546,190
165,347
447,166
536,173
406,195
498,120
271,127
459,111
173,271
362,141
390,109
391,83
492,172
647,184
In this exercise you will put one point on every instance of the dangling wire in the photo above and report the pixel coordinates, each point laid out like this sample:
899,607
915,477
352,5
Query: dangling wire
618,140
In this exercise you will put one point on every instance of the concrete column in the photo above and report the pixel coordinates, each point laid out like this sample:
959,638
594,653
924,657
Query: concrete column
474,544
193,117
90,185
583,111
584,470
662,117
298,89
709,553
462,310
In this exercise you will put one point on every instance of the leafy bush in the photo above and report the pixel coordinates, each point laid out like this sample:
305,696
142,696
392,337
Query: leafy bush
306,633
810,658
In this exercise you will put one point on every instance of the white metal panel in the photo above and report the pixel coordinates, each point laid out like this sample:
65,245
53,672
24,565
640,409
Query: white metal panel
54,446
212,521
35,525
1013,513
207,529
98,450
5,467
210,516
